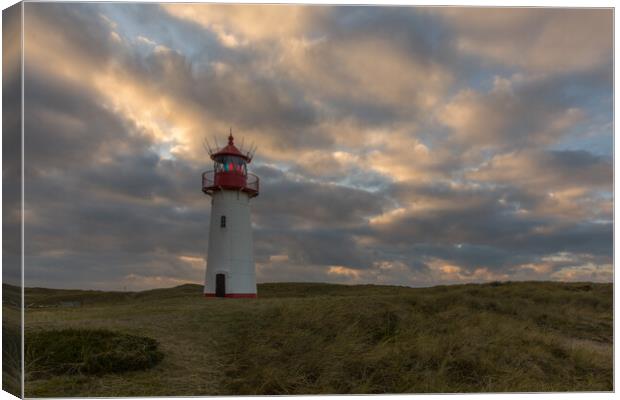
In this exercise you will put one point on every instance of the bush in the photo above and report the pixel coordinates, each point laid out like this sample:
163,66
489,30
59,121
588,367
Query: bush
88,351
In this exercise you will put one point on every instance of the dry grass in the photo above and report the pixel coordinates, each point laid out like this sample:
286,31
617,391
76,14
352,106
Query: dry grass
11,350
11,340
87,352
318,338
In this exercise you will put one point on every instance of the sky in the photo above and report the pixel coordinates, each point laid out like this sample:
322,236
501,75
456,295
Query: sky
396,145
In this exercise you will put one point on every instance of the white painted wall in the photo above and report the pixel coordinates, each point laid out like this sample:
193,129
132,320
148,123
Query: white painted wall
231,249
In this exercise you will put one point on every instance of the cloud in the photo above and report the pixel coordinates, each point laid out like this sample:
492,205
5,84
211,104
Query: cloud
570,185
305,204
518,112
249,23
12,146
397,145
546,40
551,169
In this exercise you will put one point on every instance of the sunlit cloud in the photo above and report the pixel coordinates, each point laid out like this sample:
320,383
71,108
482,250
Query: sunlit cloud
396,145
250,23
543,40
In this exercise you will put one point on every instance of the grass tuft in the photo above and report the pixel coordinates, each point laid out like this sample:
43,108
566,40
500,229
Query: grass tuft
87,351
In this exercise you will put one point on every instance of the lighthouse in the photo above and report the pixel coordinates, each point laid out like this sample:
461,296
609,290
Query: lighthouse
230,258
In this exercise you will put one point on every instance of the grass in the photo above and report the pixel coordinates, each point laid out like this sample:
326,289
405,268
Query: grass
319,338
87,351
11,351
11,340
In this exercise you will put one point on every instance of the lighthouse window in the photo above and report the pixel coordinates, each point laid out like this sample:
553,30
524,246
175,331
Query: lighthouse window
230,164
223,221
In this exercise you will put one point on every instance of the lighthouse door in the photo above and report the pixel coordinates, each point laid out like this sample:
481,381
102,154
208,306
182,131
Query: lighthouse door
220,285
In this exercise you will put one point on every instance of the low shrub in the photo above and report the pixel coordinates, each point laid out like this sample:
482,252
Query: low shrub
88,351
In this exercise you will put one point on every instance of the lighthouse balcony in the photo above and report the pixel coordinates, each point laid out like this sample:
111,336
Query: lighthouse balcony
213,181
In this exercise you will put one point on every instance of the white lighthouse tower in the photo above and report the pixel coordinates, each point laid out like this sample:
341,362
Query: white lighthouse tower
230,258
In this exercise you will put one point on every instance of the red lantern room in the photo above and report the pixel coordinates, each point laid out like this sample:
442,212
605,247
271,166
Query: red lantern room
230,171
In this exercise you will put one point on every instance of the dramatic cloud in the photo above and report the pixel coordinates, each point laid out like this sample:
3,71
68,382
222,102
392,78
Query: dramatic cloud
11,141
396,145
540,40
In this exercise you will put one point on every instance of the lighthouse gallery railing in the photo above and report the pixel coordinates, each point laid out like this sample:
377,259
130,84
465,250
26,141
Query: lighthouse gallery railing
209,184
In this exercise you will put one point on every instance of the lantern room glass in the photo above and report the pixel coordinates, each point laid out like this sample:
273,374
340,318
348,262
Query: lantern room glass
225,163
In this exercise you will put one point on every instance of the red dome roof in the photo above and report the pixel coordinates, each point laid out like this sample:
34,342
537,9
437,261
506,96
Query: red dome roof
230,150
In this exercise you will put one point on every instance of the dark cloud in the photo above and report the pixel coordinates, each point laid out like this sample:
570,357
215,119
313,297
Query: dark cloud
77,27
65,128
387,152
289,204
12,145
486,227
101,203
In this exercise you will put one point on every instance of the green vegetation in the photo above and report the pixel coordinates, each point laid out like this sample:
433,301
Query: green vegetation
11,339
11,351
320,338
87,351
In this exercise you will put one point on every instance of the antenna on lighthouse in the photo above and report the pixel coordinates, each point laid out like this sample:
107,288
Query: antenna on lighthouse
216,143
247,153
251,151
207,146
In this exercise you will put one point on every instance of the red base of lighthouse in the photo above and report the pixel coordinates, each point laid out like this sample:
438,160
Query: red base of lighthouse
235,295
